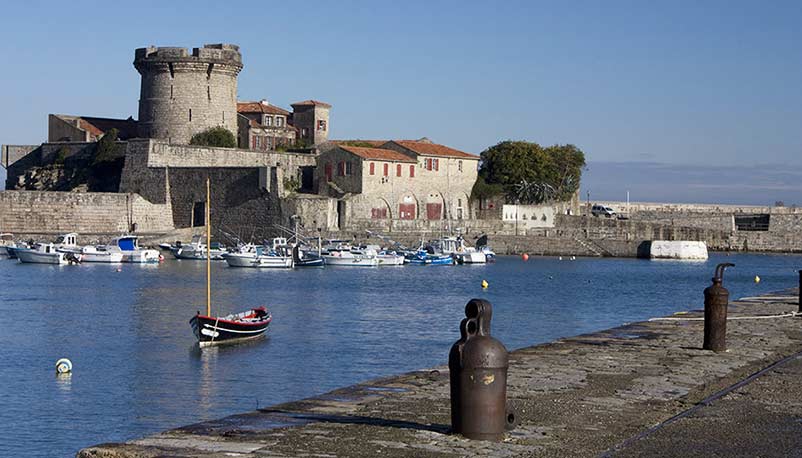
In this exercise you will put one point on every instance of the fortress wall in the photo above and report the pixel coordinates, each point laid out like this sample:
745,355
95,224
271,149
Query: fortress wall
45,212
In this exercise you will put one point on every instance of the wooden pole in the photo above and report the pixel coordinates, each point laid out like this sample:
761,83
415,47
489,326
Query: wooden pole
208,249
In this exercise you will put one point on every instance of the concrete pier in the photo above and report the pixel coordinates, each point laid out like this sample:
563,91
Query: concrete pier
643,389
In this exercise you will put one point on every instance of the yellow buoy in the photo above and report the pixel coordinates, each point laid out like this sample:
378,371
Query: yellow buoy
485,284
63,366
757,279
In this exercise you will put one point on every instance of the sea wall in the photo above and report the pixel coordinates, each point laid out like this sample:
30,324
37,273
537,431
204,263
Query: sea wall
47,212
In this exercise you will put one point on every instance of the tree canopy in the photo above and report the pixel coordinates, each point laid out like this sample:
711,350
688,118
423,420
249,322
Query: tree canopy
215,136
529,173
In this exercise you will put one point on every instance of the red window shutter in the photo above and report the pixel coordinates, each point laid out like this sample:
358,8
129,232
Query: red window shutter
328,171
372,168
341,169
386,169
398,170
412,171
253,142
436,164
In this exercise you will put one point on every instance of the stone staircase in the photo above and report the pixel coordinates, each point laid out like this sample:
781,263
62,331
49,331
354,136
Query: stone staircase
593,247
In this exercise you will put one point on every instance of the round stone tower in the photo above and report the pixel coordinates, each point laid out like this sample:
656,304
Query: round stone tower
183,94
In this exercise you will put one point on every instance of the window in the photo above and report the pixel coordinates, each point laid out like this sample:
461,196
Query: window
349,168
372,168
257,142
279,121
328,171
268,120
386,169
412,171
321,125
190,115
304,133
436,164
428,164
459,166
341,169
398,170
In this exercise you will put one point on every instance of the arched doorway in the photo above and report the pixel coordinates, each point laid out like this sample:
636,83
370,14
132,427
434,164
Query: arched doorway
380,209
434,206
407,206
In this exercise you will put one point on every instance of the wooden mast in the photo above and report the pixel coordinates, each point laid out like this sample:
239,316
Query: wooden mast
208,250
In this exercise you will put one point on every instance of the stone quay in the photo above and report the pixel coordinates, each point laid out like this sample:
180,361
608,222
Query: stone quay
642,389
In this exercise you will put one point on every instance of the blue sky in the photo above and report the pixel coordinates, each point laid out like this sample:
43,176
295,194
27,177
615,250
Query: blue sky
688,84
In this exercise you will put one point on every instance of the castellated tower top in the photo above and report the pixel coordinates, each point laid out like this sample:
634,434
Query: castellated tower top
185,93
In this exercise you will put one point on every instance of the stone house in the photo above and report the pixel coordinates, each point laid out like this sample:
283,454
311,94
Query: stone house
264,127
401,180
69,128
311,118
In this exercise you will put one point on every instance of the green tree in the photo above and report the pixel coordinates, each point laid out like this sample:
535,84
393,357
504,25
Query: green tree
215,136
528,173
107,149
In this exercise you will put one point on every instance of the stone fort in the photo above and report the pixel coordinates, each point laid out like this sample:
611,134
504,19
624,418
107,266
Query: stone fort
285,168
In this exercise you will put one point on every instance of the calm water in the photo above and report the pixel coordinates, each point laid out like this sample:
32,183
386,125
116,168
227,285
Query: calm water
137,372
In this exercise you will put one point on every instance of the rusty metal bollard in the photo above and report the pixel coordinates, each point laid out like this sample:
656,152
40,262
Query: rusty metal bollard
478,373
716,299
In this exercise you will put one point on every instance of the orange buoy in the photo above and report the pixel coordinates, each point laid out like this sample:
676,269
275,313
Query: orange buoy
525,257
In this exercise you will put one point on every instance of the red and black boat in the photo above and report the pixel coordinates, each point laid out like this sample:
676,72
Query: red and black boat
213,330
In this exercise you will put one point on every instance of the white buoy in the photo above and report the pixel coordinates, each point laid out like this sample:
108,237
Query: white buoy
573,258
63,366
560,258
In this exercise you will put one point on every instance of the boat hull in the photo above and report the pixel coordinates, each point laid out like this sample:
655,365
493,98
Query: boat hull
348,261
245,260
471,257
216,331
33,257
197,255
390,260
140,256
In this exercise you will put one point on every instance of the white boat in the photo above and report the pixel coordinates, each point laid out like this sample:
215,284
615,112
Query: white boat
344,256
46,253
67,243
455,246
6,241
280,256
128,245
100,253
197,250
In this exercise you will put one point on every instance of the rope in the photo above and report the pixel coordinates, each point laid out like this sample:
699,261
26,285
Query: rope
733,318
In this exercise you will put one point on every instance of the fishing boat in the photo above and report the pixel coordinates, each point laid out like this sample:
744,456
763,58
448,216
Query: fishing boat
214,330
100,253
422,257
46,253
342,255
306,257
249,255
196,250
462,254
128,245
6,241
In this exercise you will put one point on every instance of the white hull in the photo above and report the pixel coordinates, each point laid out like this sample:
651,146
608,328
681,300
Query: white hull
471,257
102,257
140,256
251,260
351,261
390,260
198,255
33,257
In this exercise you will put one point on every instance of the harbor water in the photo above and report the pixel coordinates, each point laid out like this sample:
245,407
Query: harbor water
137,369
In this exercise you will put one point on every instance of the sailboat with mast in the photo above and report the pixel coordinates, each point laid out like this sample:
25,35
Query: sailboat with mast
213,330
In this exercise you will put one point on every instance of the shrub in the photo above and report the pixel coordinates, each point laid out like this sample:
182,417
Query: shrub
216,136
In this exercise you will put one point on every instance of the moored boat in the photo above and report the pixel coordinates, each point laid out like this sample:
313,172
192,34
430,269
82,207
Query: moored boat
196,250
128,245
46,253
100,253
6,242
235,327
462,254
213,330
343,256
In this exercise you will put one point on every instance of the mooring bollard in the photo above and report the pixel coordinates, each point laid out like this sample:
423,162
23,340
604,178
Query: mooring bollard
716,299
478,373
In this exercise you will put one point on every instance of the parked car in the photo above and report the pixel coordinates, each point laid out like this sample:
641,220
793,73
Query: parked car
601,210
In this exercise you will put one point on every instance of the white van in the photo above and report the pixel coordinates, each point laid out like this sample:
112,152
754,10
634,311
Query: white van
601,210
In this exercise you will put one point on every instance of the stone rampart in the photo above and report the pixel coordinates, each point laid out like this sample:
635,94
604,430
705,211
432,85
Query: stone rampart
44,212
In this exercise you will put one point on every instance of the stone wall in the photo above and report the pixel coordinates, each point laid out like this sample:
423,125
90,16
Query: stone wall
44,212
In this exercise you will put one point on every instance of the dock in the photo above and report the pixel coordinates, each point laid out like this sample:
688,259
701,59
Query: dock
642,389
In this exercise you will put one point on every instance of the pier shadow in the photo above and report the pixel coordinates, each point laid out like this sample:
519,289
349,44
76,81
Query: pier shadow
307,418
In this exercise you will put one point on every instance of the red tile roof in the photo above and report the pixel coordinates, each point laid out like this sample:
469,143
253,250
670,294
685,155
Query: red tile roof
433,149
259,107
372,143
378,154
311,103
83,124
